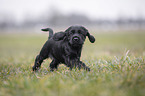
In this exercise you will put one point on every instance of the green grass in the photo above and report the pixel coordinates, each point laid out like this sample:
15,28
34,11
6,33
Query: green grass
117,62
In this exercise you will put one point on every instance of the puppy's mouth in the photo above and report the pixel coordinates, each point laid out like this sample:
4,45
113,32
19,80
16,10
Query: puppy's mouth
76,44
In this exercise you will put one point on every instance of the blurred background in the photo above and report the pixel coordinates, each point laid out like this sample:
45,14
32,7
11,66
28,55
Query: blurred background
103,15
118,25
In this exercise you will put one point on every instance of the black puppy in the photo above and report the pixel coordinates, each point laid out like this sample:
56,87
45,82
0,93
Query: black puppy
64,47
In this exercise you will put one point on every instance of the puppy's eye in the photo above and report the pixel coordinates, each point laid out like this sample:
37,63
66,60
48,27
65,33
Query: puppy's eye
79,31
72,31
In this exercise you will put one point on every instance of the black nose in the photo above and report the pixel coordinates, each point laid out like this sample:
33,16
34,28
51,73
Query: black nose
76,39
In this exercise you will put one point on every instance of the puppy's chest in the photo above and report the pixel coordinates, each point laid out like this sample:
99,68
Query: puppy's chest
71,53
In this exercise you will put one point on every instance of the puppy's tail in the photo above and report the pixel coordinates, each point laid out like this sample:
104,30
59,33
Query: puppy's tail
50,32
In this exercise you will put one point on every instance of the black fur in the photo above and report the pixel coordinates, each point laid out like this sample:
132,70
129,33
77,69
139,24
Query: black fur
64,47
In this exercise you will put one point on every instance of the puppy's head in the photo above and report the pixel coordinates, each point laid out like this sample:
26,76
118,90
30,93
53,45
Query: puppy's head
76,35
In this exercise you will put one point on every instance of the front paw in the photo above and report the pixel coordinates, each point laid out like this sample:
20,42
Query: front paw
34,68
88,69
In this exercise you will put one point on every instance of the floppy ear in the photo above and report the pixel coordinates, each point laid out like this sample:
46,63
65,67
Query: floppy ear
67,30
59,36
91,38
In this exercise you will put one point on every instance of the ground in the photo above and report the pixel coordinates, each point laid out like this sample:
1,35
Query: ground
116,59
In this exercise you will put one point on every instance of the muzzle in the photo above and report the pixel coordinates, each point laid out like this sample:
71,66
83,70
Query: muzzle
76,39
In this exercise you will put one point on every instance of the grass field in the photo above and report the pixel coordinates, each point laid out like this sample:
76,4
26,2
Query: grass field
116,59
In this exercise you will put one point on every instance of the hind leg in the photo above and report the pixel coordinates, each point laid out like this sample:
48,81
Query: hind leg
42,56
39,59
53,65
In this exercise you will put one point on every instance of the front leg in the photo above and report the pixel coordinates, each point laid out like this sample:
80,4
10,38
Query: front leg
76,63
70,62
82,65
